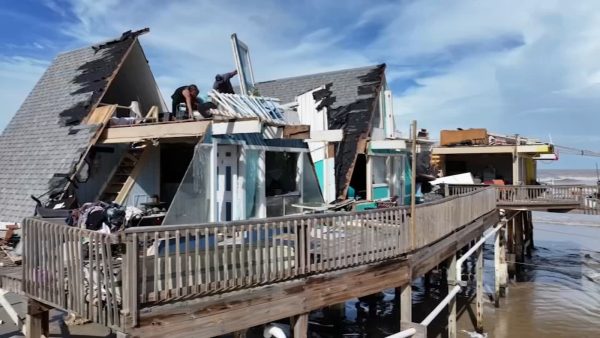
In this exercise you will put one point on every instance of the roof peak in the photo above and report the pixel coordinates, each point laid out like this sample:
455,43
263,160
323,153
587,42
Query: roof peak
326,73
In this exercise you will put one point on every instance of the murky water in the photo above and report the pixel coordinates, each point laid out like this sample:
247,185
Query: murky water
556,294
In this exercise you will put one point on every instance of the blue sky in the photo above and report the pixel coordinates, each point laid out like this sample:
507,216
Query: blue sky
527,67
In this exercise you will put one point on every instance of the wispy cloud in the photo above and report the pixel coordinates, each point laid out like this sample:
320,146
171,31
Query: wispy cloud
527,67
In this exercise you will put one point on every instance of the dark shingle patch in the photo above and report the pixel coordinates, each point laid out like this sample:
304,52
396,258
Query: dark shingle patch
39,145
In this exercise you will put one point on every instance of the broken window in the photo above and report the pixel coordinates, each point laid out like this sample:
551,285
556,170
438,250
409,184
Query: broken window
191,203
379,170
281,183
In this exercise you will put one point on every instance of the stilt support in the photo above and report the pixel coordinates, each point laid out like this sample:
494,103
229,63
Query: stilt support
451,277
479,287
37,320
300,325
497,269
406,303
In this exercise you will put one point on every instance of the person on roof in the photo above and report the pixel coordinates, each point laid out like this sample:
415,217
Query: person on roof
187,95
223,84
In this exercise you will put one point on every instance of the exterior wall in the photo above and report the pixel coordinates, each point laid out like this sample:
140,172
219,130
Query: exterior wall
147,182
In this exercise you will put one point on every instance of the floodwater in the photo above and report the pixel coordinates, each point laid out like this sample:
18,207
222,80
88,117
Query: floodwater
556,293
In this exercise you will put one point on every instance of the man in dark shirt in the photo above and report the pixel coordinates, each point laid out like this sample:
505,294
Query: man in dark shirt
223,84
187,95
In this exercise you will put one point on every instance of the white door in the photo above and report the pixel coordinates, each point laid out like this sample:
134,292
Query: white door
227,163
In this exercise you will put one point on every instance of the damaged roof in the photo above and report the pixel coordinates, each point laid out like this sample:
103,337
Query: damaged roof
350,96
44,140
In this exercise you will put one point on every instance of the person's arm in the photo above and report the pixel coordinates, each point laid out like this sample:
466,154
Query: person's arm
188,102
228,76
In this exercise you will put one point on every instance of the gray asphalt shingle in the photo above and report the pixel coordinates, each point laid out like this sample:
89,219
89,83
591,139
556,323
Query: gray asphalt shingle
39,142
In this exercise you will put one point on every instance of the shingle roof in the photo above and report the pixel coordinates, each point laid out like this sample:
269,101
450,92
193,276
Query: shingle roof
43,139
351,94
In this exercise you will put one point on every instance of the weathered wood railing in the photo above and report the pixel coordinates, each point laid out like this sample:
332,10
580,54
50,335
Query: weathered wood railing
167,263
72,269
519,194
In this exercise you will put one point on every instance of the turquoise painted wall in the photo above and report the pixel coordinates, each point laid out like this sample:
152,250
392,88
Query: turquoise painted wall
380,193
320,170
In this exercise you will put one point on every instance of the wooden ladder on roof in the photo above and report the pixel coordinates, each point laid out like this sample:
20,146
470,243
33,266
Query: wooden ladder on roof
124,176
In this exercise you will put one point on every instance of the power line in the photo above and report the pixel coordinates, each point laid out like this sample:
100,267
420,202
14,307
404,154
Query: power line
576,151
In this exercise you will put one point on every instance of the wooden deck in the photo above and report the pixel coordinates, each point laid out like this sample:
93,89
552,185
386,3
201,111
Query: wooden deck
149,274
539,197
213,278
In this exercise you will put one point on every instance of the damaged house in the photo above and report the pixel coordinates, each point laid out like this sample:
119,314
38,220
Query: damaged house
93,129
353,141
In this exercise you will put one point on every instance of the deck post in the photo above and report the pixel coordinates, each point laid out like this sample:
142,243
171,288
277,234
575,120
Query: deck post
300,325
503,264
479,295
529,232
406,303
451,278
510,246
37,321
519,239
497,269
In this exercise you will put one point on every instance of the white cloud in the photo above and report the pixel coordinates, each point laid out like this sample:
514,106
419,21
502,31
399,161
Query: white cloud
189,41
527,67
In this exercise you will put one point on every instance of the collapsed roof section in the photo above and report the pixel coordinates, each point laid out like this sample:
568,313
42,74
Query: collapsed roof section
45,139
350,96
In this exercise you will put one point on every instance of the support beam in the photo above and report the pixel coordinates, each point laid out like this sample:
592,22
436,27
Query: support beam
167,130
452,282
503,265
497,270
406,303
300,325
479,287
37,320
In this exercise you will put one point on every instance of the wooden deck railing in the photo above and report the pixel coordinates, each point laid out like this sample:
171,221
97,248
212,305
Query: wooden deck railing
542,194
72,269
78,270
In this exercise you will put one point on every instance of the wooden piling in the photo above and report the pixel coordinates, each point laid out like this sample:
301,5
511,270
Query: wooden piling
451,278
37,321
528,233
503,264
479,288
406,303
497,269
300,325
519,220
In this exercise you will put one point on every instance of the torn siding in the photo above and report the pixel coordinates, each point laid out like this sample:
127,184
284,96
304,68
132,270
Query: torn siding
351,97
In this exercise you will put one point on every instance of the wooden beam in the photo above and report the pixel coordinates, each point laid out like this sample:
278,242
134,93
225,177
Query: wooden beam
221,314
334,135
299,131
300,324
101,115
141,132
509,149
237,127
